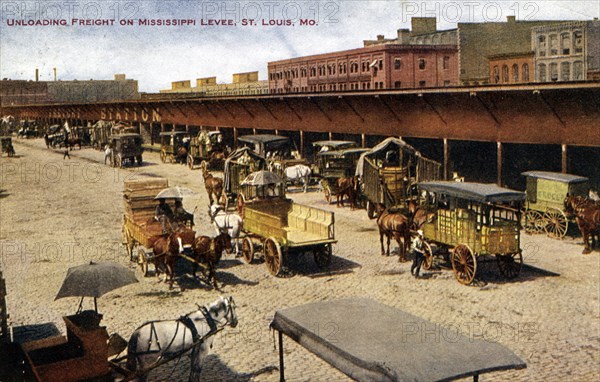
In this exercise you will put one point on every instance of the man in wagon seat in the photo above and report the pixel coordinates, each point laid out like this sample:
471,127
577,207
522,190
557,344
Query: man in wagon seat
163,214
181,215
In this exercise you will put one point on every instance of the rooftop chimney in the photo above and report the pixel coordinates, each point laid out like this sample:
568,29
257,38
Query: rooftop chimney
380,37
54,74
37,74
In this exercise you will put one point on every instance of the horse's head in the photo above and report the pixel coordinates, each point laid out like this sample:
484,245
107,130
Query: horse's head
379,208
570,204
213,211
223,311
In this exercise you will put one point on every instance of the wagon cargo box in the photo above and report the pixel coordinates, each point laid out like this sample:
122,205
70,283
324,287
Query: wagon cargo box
145,184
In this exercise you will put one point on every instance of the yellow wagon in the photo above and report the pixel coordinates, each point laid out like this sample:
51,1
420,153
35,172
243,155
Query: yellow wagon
473,220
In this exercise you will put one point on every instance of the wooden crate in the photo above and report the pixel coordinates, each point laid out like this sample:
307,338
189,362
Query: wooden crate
145,184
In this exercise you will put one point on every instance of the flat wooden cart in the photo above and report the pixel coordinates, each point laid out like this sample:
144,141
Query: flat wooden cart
140,230
81,355
546,192
369,341
389,173
473,220
277,227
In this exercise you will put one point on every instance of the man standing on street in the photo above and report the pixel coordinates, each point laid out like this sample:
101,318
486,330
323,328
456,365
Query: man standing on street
418,255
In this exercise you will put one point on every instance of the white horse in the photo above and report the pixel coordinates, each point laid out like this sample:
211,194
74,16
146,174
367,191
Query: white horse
230,223
158,342
298,173
108,154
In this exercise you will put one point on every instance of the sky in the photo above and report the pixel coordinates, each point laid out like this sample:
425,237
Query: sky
158,55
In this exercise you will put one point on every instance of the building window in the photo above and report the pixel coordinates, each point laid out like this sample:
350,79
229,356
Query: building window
505,74
446,62
397,64
354,67
542,72
422,63
374,71
578,71
368,85
496,74
578,42
376,85
565,71
554,71
381,85
515,73
565,43
542,46
553,45
525,72
397,84
380,64
422,84
313,71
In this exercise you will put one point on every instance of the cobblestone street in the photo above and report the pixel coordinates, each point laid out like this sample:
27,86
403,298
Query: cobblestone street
56,213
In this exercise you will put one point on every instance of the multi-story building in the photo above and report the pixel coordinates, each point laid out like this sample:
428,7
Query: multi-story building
22,92
243,84
568,51
382,66
511,68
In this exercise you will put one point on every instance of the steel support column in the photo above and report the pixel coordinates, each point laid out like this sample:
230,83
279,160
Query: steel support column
302,143
362,140
446,158
235,136
499,163
564,161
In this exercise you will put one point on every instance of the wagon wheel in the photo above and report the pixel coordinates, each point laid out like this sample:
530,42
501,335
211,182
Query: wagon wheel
142,261
370,209
510,265
322,256
533,221
273,256
464,264
247,250
190,161
556,223
139,160
428,253
163,156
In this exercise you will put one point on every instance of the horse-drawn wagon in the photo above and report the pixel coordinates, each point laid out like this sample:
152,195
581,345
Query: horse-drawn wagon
100,134
389,173
546,192
473,220
278,227
335,165
207,146
238,165
140,229
172,146
126,149
279,151
6,146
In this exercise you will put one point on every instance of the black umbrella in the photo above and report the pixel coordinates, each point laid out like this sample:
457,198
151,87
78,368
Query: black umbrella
94,280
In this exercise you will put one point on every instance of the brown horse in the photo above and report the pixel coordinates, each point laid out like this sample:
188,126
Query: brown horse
587,216
213,185
208,251
347,187
181,155
419,216
396,225
166,249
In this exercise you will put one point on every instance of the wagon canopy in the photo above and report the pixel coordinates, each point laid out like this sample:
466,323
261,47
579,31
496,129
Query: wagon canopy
478,192
343,153
335,145
263,143
556,176
262,178
243,156
381,149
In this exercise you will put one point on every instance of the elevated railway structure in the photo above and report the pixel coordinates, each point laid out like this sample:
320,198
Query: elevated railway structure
562,114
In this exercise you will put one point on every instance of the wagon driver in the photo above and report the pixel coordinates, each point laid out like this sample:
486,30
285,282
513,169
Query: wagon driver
418,254
163,214
181,215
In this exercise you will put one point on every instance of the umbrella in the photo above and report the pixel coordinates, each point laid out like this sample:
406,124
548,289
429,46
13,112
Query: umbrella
175,192
262,178
94,280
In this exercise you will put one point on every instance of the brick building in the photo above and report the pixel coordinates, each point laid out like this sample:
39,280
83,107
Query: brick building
515,68
568,51
243,84
22,92
378,66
